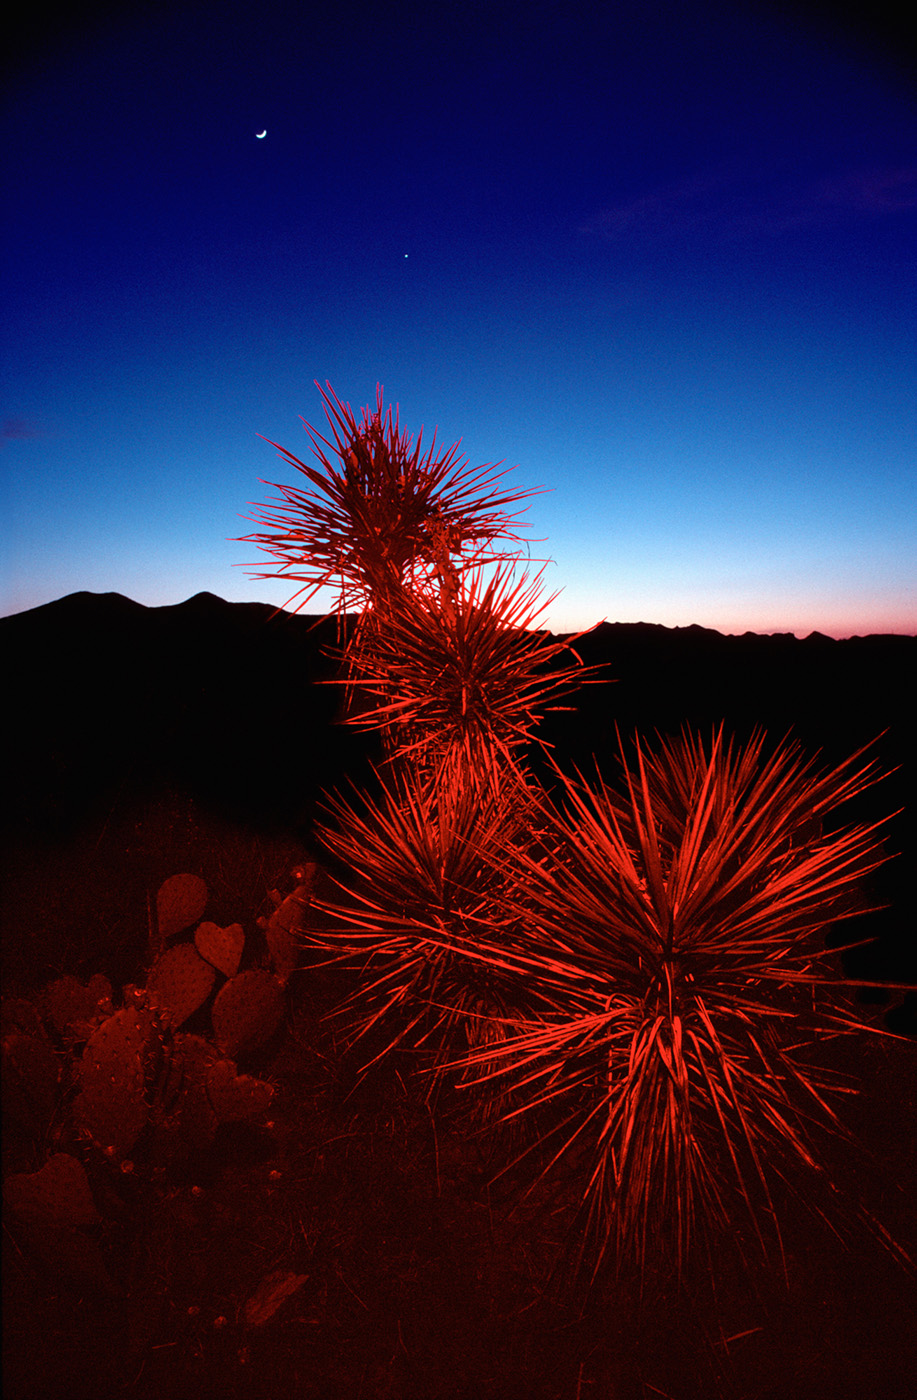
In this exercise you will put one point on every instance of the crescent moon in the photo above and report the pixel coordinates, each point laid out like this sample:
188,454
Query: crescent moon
260,135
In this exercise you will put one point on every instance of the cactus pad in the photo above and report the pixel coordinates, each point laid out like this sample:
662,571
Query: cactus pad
56,1195
30,1074
180,981
181,902
111,1106
284,926
236,1096
186,1124
221,947
76,1010
247,1012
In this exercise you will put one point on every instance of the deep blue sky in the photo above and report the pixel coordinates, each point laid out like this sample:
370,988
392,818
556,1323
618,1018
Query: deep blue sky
663,257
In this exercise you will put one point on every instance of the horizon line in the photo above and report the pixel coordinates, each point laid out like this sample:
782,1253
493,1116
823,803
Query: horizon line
565,631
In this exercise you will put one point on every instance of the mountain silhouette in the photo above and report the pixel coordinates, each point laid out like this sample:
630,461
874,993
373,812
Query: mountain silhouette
229,702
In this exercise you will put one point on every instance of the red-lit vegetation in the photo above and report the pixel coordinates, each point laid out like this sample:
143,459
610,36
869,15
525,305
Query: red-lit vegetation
458,675
378,515
560,1077
675,929
636,971
426,876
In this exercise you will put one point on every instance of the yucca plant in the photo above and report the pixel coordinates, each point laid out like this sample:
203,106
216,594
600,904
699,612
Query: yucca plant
426,874
676,929
378,515
447,661
461,674
645,967
414,543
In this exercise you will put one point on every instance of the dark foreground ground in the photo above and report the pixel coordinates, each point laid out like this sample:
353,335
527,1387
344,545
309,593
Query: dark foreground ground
361,1247
414,1274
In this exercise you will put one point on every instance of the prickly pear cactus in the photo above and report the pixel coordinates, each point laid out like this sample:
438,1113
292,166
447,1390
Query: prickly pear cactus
221,947
247,1011
236,1096
283,929
163,1065
111,1106
29,1083
151,1096
57,1195
141,1084
183,1120
180,981
76,1010
180,902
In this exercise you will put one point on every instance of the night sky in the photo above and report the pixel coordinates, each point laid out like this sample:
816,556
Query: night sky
663,257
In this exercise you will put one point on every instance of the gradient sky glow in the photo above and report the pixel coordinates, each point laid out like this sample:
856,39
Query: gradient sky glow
664,258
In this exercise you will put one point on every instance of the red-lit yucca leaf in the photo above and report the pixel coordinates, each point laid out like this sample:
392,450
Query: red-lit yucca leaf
675,932
425,872
377,514
460,672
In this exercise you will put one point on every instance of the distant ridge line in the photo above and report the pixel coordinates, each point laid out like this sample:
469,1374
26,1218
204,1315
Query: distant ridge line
205,600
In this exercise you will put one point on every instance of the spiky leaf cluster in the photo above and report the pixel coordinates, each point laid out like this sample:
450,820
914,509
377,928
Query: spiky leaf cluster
461,674
675,931
377,514
425,877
